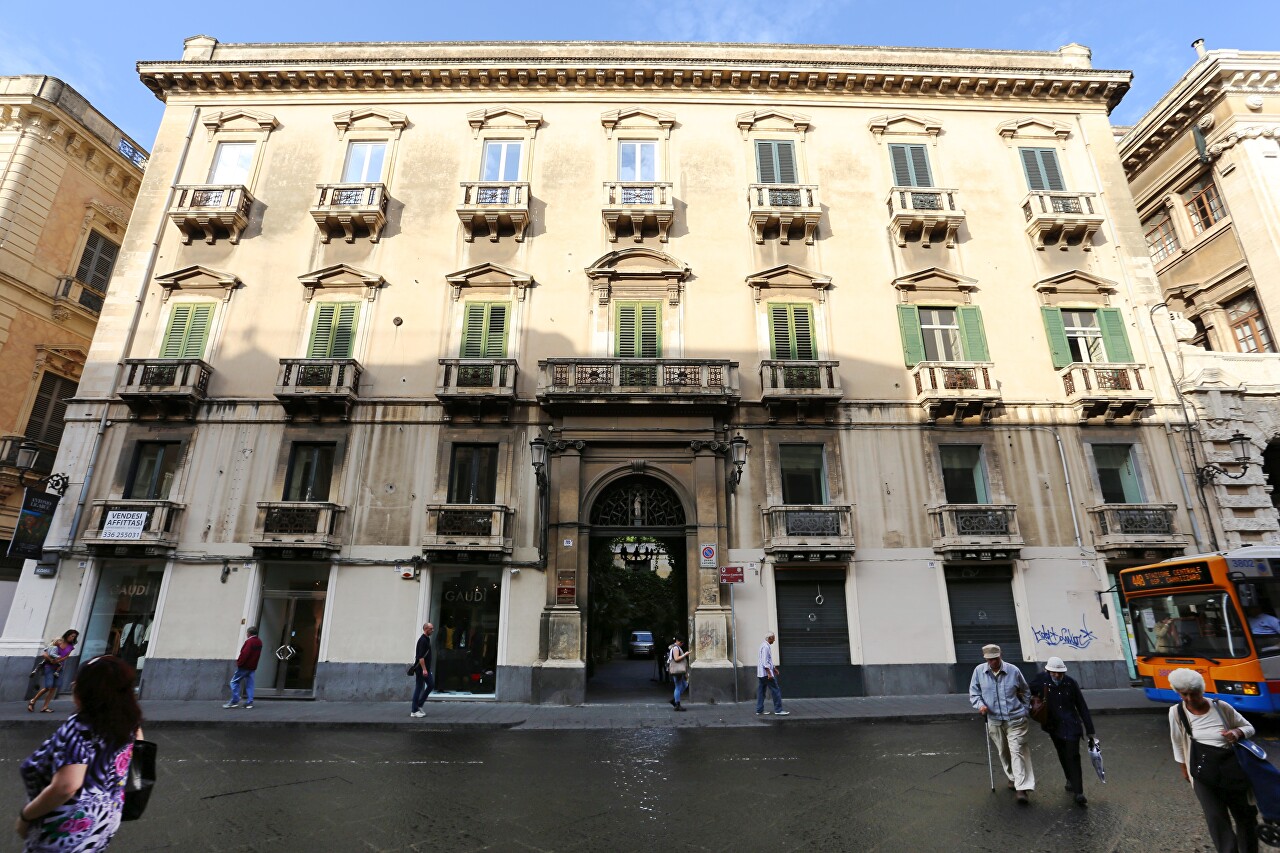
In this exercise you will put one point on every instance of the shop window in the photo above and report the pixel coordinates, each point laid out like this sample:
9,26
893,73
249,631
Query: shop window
364,162
1117,473
49,410
232,163
466,608
310,472
964,476
1248,326
1203,204
473,474
804,478
123,613
155,464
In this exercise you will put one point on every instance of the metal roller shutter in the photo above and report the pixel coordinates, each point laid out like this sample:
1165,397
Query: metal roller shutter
810,632
982,612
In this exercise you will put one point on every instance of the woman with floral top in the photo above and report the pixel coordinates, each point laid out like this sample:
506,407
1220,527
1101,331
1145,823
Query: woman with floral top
75,780
51,670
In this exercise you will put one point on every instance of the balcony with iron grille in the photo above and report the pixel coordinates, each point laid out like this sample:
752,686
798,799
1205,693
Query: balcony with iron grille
496,206
475,384
801,529
1061,219
10,474
782,208
638,207
804,385
350,210
1138,527
928,215
473,528
1107,391
159,527
955,390
296,524
165,387
72,291
317,387
690,382
210,211
975,531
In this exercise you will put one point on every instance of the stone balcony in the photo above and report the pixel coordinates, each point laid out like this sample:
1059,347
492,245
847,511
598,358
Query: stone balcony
955,390
318,386
165,387
803,385
72,291
799,530
159,530
350,210
783,207
1107,391
1061,219
688,382
925,214
297,524
1137,527
975,531
638,206
468,529
495,206
476,384
210,211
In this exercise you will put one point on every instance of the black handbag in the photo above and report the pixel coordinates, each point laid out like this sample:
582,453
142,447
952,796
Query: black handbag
413,669
140,781
1215,766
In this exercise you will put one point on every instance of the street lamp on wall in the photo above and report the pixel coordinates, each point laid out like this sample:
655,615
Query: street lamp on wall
538,447
738,455
25,462
1240,446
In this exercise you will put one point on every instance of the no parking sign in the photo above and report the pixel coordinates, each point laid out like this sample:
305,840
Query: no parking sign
708,555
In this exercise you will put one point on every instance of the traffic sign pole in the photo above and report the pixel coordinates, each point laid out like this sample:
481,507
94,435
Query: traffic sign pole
733,628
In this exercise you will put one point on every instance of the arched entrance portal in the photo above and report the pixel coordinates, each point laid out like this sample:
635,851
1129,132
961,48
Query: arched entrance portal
637,588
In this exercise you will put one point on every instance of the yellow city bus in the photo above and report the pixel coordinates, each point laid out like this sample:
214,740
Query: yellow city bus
1214,613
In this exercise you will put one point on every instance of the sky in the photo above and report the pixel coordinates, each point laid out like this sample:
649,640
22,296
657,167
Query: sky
94,45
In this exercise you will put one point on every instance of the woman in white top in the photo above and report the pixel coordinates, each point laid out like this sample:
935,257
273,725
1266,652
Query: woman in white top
1215,726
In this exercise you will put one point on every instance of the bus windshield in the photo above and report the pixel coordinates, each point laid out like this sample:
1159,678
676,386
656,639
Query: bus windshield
1189,624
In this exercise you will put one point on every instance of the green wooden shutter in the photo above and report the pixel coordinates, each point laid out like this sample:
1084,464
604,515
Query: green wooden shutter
802,323
649,332
969,319
322,331
97,262
910,166
791,331
198,331
188,330
766,163
786,162
333,331
1041,167
912,339
775,162
175,335
473,331
638,332
1059,349
1114,338
495,333
49,410
625,330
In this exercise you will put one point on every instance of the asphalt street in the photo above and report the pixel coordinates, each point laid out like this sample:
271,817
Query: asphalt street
882,786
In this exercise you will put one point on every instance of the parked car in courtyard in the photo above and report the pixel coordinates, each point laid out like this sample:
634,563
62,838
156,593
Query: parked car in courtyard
640,645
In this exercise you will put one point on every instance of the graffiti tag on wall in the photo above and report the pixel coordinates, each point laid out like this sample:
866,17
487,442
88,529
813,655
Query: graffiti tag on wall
1065,636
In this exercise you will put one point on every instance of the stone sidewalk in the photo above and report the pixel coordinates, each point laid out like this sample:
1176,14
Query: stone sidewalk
464,714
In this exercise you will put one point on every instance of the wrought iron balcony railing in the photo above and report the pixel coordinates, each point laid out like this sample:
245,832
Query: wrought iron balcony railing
783,206
494,204
799,379
209,211
1107,390
477,378
165,386
926,213
468,527
641,379
1144,526
955,389
1063,219
638,205
77,292
345,210
813,527
316,384
298,523
957,527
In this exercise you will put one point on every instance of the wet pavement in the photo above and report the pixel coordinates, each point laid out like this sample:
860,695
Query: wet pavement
871,785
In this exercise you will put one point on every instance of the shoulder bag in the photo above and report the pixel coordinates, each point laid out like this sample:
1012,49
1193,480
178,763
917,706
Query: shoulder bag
1215,766
678,667
1040,710
140,781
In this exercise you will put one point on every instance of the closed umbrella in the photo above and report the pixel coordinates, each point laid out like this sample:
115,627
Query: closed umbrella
1095,755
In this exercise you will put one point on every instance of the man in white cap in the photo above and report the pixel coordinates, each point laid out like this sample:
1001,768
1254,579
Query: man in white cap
1069,719
1000,693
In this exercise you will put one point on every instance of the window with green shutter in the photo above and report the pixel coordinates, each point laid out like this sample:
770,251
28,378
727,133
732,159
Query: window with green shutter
912,339
910,166
1041,167
1086,336
49,409
333,331
973,335
96,262
638,330
484,330
791,331
776,162
188,330
1114,337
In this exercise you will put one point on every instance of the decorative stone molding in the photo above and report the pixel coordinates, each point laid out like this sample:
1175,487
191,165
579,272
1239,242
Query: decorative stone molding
197,278
504,117
370,118
64,359
239,119
1075,286
789,276
1031,127
47,123
342,277
630,118
641,269
772,120
1255,131
934,283
905,124
490,275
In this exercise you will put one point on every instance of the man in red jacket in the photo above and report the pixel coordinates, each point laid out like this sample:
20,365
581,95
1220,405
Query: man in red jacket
246,666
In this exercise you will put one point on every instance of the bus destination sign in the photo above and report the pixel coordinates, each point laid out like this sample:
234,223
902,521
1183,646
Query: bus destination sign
1189,574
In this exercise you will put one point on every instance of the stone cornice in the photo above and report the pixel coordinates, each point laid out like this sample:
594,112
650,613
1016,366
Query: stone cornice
118,172
554,73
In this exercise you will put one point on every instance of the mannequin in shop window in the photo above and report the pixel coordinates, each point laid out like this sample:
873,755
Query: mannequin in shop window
134,638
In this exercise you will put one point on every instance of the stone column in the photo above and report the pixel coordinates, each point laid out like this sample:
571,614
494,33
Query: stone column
561,676
710,641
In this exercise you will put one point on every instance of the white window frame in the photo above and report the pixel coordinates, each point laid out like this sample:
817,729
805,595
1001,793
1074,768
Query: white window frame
365,177
938,330
216,160
507,144
1089,336
639,145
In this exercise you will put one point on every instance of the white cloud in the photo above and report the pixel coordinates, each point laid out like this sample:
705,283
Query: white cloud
70,60
729,21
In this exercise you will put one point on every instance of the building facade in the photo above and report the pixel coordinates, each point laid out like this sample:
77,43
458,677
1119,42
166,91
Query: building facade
1204,166
68,178
417,331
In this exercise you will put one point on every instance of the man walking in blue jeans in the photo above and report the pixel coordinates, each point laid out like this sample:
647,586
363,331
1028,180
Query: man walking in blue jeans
246,667
422,681
767,674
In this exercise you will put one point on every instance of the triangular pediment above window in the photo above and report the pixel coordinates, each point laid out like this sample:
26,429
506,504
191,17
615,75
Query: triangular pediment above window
65,359
637,118
1075,286
490,275
1031,127
905,124
504,117
196,278
370,118
773,120
789,276
934,283
639,270
342,277
239,119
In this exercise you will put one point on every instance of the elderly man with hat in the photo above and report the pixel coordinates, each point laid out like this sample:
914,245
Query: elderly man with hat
1069,719
999,692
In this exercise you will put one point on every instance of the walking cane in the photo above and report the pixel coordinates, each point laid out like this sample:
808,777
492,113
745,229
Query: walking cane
986,735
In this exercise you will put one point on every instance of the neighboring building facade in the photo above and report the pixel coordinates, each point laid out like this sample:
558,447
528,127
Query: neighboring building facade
68,178
418,331
1204,166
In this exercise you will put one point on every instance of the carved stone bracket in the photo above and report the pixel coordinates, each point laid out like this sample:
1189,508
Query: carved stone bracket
559,445
720,447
